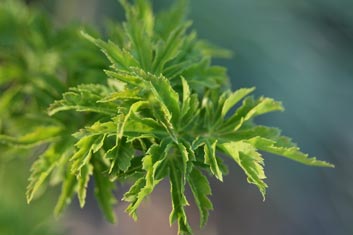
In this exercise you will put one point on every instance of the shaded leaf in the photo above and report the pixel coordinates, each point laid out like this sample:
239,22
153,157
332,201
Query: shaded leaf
201,189
103,190
69,187
211,160
120,155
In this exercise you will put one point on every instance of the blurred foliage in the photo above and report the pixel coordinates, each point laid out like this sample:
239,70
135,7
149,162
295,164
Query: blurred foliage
37,63
16,216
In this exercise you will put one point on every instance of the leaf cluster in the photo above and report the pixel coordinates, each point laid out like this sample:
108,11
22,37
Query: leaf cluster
163,112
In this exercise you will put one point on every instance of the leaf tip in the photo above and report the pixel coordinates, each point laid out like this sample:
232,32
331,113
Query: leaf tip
87,36
29,198
82,202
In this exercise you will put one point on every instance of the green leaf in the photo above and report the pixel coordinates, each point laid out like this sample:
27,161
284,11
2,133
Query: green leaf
125,117
168,20
84,98
292,153
121,156
103,190
264,105
83,155
211,160
166,95
161,113
129,78
234,98
137,127
169,49
40,171
201,189
185,159
186,94
40,135
154,165
69,187
86,147
134,172
190,118
251,132
202,75
122,95
249,160
179,201
83,179
250,109
132,195
121,59
139,27
141,11
98,128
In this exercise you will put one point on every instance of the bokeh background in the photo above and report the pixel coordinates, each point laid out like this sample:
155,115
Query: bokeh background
299,52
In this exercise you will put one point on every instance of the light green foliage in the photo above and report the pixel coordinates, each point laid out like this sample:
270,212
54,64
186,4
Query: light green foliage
163,112
38,62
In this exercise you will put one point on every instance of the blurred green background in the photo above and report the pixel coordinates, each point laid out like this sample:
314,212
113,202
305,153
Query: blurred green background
299,52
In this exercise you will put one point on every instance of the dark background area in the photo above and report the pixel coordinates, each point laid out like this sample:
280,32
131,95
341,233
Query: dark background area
299,52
